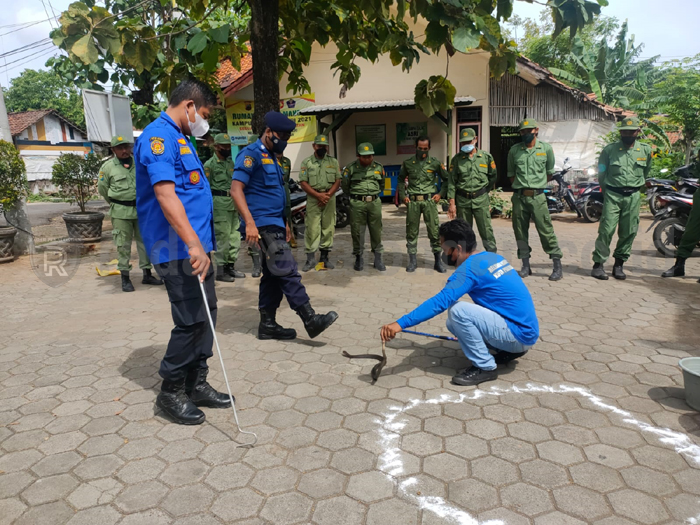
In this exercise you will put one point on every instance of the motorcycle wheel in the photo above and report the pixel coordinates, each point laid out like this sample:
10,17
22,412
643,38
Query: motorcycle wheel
664,236
591,210
342,217
654,205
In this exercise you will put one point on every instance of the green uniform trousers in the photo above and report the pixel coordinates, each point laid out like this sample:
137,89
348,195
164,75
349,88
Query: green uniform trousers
691,235
228,238
535,208
428,209
123,232
478,210
366,214
622,212
320,225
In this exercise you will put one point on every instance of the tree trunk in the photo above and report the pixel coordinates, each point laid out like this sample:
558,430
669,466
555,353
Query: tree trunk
264,27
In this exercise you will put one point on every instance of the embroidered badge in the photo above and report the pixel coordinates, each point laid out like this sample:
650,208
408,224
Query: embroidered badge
264,161
185,150
194,177
120,138
265,155
248,162
493,165
182,141
629,122
525,123
157,146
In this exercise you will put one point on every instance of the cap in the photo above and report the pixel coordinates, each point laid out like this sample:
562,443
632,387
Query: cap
467,135
252,137
119,139
365,148
321,140
528,123
222,138
629,123
276,121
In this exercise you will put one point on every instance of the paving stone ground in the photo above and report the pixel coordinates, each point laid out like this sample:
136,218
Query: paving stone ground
590,427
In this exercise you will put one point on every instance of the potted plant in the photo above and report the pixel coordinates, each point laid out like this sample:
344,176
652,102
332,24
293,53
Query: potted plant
76,176
13,186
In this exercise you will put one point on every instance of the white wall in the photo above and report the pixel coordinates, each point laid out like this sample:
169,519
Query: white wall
52,128
575,139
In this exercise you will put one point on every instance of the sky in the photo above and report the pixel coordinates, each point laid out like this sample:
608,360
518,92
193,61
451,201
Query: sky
667,28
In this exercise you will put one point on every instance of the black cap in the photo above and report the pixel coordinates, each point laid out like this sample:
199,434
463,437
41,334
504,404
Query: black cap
276,121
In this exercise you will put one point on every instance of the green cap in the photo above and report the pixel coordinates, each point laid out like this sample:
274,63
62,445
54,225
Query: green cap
365,148
528,123
222,138
629,123
252,138
321,140
467,135
119,139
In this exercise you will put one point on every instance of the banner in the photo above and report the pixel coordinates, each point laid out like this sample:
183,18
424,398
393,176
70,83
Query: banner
406,135
239,114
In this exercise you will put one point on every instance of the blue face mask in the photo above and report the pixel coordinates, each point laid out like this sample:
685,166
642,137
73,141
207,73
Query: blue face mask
468,148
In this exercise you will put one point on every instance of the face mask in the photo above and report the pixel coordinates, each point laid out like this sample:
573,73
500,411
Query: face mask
628,141
225,152
200,126
527,138
421,154
278,145
447,259
321,152
468,148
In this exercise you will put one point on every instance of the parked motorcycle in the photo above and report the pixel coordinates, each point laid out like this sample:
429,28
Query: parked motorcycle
590,203
670,222
561,198
298,202
659,187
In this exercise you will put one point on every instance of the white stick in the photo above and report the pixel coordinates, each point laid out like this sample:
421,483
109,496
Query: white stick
223,369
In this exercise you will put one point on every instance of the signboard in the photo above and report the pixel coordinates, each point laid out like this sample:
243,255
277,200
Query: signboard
107,115
406,135
239,114
375,134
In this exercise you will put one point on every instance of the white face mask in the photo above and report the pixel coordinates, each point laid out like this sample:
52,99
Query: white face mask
200,126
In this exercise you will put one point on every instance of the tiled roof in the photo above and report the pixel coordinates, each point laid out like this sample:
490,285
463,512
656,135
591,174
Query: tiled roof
23,119
227,74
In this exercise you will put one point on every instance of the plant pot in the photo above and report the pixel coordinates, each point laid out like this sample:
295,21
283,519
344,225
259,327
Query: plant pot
84,227
7,243
691,381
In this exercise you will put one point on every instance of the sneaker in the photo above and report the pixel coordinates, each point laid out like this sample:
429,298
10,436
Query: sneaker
474,376
506,357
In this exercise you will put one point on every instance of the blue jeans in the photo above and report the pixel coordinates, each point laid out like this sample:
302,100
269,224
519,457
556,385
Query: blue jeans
476,327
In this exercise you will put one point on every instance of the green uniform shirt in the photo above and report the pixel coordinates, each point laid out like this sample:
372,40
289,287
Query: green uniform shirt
361,180
287,174
471,173
422,176
321,174
220,173
117,182
620,166
530,166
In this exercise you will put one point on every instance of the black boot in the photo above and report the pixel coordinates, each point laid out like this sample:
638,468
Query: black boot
359,263
310,262
677,270
557,272
222,275
231,270
618,272
325,259
269,329
378,263
201,393
526,270
174,402
313,322
599,272
149,279
126,282
257,268
412,262
439,265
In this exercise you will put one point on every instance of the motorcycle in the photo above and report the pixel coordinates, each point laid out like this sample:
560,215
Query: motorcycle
298,203
563,197
590,203
670,222
659,187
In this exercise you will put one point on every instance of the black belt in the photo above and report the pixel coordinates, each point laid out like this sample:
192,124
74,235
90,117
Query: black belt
530,192
472,194
123,203
364,198
220,193
625,191
422,197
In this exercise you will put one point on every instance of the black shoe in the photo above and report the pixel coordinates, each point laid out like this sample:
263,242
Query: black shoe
599,272
149,279
618,272
325,259
174,402
378,263
474,376
557,272
313,322
359,263
677,270
222,275
269,329
201,393
502,357
257,268
310,262
126,282
526,270
412,263
231,270
439,265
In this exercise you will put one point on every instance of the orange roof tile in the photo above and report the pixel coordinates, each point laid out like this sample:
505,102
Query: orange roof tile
23,119
227,74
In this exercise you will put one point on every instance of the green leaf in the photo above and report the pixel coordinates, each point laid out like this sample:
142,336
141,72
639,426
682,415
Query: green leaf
197,43
210,57
498,65
305,48
141,54
85,50
504,9
465,38
436,35
220,34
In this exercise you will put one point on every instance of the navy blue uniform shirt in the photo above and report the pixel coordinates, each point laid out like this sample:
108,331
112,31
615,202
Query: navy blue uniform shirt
163,153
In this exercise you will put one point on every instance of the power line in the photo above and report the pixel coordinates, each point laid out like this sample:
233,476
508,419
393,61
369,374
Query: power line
26,23
24,27
44,51
6,69
28,47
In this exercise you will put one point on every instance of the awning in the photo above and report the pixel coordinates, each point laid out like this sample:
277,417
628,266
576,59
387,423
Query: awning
325,109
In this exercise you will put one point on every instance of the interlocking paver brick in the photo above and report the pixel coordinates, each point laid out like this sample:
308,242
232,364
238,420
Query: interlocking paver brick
287,509
473,495
544,474
322,483
275,480
637,506
339,511
392,510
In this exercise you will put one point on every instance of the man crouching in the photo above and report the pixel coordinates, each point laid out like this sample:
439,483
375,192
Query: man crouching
502,317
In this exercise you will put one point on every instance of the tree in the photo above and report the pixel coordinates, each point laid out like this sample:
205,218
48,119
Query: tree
151,44
45,90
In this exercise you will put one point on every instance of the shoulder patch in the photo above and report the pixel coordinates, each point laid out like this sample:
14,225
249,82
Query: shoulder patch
185,150
493,165
157,145
182,141
248,161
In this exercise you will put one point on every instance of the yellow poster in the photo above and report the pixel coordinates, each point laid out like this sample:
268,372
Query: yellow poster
239,113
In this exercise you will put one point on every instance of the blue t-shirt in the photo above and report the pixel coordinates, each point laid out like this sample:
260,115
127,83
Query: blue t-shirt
163,153
263,177
491,282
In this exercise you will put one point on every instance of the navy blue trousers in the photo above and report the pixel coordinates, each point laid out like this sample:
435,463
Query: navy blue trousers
280,274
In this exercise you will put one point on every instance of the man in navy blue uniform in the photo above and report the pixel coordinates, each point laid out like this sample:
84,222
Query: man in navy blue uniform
176,218
258,191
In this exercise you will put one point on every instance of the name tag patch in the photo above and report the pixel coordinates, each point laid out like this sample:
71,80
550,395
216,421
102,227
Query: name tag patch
483,166
185,150
641,158
541,154
268,161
